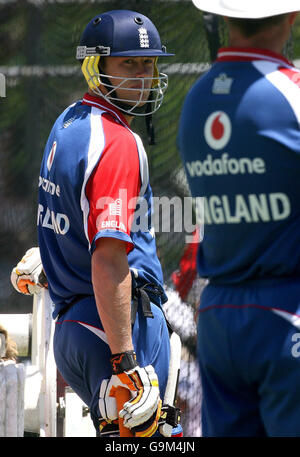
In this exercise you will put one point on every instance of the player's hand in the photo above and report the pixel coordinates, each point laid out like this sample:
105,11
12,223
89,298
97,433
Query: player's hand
142,412
28,276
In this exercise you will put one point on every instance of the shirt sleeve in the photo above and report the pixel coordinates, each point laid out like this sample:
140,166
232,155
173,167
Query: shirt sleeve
113,187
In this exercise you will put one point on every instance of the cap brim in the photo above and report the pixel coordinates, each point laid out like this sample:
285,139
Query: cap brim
141,53
254,9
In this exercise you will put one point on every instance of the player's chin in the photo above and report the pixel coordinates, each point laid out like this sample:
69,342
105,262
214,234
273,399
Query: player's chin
138,98
136,103
140,101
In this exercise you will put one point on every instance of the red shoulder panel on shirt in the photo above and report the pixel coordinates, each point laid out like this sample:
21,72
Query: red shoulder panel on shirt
292,74
114,185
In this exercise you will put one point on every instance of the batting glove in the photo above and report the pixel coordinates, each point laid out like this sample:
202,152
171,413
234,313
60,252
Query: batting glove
28,276
142,412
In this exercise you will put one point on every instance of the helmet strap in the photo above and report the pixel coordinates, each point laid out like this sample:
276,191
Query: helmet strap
149,124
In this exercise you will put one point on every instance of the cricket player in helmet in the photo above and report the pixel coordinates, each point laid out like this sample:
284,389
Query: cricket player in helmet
101,266
133,36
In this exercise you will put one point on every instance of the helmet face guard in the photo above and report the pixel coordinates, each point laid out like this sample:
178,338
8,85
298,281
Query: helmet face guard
150,98
123,33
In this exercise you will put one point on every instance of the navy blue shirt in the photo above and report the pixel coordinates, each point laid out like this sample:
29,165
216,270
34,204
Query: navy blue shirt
239,139
94,183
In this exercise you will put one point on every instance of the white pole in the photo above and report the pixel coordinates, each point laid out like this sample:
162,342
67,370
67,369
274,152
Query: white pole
50,368
43,359
11,399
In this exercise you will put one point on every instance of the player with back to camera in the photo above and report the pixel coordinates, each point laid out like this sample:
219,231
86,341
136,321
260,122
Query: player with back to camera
95,235
239,138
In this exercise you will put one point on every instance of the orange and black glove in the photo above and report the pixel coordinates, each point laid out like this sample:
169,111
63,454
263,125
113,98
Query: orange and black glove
142,412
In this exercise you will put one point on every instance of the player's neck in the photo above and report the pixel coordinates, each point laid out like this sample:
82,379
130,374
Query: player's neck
257,44
128,118
271,40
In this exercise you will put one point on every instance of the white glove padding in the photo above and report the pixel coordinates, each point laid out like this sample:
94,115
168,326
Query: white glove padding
25,276
107,404
145,399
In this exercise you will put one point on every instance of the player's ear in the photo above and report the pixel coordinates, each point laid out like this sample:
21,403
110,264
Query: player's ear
102,63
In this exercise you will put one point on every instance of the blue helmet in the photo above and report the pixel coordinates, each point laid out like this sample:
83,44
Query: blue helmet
121,33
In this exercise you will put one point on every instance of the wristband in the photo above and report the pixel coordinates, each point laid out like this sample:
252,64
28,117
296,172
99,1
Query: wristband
123,361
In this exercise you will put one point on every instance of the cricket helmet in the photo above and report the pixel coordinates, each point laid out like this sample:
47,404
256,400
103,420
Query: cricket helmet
120,33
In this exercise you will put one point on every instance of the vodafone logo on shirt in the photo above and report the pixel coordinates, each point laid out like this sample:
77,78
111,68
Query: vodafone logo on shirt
217,130
51,156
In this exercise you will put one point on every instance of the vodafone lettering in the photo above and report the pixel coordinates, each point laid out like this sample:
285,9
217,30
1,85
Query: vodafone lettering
49,186
225,165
